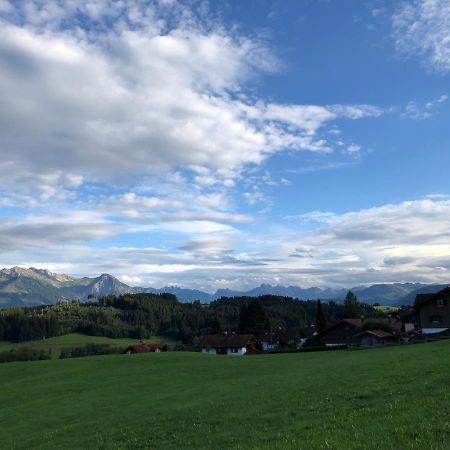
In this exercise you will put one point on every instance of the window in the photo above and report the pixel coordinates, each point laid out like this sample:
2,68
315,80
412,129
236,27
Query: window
234,350
435,319
440,302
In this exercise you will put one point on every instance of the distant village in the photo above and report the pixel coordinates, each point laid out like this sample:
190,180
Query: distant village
428,320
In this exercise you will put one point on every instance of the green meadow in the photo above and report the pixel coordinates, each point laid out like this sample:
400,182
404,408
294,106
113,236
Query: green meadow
55,344
391,398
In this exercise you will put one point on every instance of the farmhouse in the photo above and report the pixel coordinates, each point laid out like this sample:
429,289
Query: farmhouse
375,338
234,344
279,339
145,348
431,312
348,331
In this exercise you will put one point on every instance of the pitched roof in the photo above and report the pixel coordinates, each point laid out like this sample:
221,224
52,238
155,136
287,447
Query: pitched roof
226,341
144,348
354,322
379,333
396,324
421,299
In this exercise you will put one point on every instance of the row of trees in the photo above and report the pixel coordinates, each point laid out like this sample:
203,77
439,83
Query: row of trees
24,354
352,309
26,325
143,315
89,350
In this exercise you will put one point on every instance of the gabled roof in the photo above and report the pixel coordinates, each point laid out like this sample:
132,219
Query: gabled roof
421,299
353,322
378,333
396,324
226,341
144,348
356,323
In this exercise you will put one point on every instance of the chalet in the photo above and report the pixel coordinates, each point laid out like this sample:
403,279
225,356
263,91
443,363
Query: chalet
341,333
347,331
145,348
431,312
375,338
234,344
279,339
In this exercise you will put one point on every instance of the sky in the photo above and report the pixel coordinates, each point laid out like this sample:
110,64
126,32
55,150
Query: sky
226,144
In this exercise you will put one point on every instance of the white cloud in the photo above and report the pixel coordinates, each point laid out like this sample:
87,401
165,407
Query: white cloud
354,247
422,28
416,111
353,149
121,91
132,120
409,241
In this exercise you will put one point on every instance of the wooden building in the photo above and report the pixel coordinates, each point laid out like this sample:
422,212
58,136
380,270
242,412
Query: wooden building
431,312
375,338
234,344
347,331
145,348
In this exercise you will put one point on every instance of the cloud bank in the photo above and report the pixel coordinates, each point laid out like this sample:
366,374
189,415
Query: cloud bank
134,138
91,91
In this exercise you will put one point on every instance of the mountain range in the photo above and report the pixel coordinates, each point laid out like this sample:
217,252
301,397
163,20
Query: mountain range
29,287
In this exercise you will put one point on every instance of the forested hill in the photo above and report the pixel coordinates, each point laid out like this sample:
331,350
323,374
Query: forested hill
143,315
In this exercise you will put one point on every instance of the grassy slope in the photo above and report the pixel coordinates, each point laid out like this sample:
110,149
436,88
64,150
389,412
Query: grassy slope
77,340
393,398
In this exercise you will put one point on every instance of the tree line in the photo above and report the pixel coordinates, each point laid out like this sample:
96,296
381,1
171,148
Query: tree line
143,315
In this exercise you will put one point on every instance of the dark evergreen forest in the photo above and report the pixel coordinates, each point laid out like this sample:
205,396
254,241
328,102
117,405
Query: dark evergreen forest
143,315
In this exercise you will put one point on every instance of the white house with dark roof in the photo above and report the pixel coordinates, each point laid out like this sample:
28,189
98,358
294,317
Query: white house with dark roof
234,344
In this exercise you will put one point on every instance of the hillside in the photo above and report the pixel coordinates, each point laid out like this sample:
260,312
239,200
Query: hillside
348,399
389,294
29,287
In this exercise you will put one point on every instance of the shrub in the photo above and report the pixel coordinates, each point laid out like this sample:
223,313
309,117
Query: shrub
90,350
24,354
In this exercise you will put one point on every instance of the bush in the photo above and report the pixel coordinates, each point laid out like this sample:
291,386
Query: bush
89,350
25,354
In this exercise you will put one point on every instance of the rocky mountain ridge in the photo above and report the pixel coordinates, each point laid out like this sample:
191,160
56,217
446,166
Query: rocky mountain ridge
29,287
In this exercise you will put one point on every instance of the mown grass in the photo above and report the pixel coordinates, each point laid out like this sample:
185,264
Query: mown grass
392,398
55,344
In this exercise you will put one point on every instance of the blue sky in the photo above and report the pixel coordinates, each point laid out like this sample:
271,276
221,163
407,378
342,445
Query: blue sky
226,144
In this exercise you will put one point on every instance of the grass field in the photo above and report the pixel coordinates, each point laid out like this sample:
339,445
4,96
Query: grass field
55,344
392,398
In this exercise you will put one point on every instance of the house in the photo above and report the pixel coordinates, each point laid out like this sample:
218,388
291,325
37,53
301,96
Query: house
145,348
233,344
346,331
431,312
271,340
375,338
341,333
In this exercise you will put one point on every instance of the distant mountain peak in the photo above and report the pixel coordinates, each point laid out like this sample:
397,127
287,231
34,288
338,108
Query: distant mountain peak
21,286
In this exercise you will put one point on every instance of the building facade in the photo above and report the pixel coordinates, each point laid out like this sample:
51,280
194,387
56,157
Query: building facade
432,311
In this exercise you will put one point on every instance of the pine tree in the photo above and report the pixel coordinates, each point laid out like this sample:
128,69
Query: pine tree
352,308
252,318
320,317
